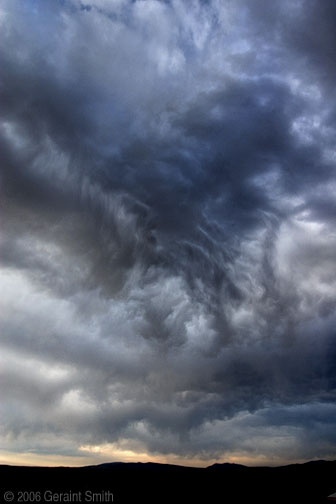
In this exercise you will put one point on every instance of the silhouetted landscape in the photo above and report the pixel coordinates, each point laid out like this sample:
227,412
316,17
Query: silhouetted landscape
311,482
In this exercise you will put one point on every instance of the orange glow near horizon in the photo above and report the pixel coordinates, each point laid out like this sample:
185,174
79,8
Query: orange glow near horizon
94,455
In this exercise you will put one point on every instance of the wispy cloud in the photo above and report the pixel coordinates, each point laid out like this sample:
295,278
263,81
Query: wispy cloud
167,236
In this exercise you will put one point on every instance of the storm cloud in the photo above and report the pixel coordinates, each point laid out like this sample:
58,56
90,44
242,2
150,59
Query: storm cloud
167,247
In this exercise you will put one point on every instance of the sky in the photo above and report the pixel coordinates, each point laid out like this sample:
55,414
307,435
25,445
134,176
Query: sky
167,231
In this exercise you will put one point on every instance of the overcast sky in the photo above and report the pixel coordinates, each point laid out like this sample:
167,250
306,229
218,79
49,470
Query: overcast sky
168,239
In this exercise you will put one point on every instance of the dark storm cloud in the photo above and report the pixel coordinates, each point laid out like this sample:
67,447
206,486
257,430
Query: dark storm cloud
167,263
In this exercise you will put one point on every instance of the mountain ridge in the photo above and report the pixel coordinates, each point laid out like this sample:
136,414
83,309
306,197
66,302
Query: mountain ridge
149,482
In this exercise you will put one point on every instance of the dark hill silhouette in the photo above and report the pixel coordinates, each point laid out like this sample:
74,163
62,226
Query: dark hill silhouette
157,483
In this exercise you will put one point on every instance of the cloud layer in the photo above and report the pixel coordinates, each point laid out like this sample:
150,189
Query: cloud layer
167,249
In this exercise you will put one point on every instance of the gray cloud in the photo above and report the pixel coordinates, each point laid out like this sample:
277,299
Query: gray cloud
166,255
